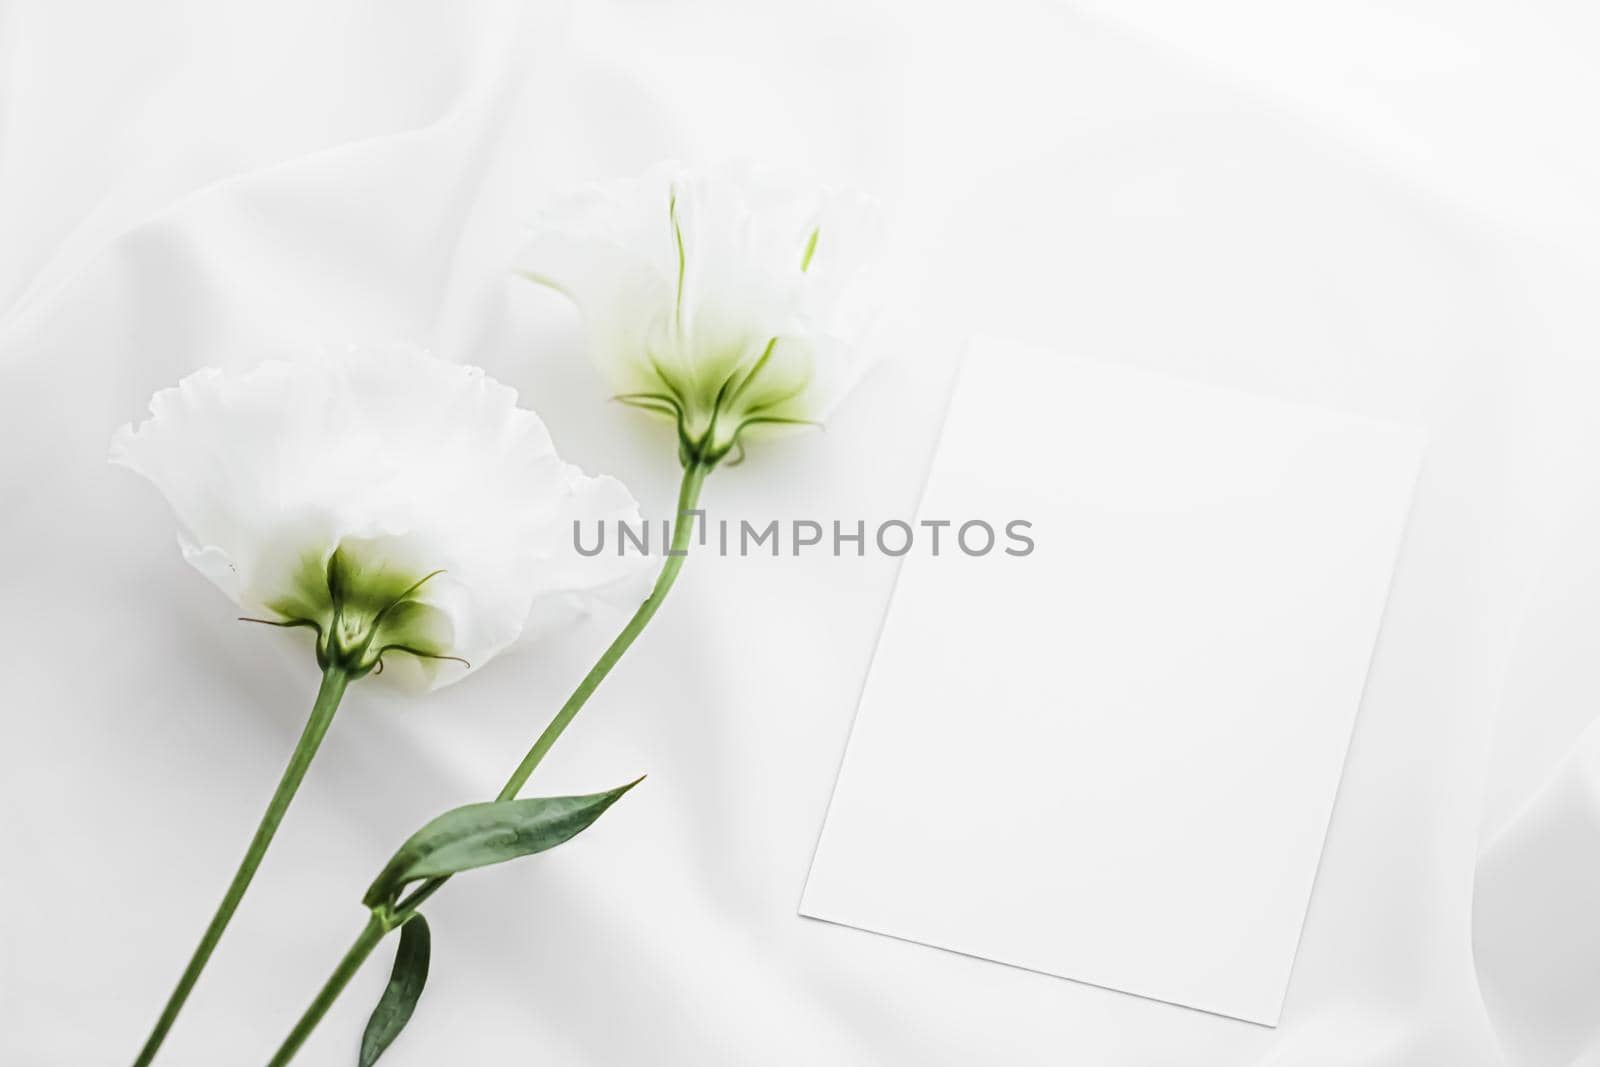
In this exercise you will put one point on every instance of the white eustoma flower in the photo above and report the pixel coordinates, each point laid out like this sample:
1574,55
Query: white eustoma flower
726,301
389,500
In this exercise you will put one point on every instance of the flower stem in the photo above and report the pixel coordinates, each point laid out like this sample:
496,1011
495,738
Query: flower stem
334,681
694,476
353,959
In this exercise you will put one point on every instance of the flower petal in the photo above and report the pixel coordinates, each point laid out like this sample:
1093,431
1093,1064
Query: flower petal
426,465
720,297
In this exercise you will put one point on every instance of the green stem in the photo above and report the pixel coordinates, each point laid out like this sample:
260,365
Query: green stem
334,681
353,959
694,476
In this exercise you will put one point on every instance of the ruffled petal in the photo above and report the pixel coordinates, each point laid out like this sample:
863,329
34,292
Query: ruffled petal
425,465
722,298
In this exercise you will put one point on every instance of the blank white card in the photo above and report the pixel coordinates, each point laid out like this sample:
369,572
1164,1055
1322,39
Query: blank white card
1114,759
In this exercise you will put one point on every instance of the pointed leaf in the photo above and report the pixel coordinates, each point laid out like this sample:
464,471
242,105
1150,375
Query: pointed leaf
478,835
399,998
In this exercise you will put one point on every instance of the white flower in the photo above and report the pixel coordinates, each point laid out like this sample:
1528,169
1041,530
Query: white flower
724,301
389,500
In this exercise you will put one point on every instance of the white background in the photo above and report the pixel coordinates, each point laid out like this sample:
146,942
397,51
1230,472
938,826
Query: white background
1387,208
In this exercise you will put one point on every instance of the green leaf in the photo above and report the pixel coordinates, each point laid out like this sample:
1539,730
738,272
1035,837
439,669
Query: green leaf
399,998
478,835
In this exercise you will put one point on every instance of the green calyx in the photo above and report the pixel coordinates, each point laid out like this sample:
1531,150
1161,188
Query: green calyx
711,424
362,606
